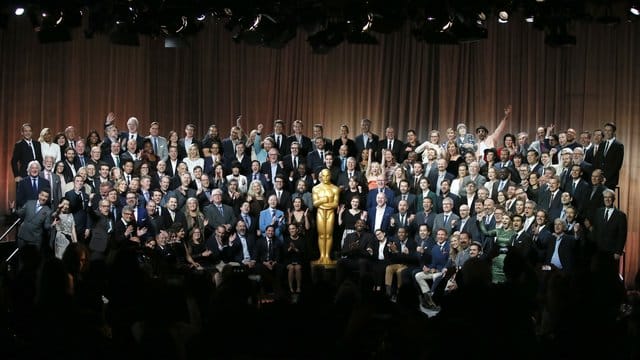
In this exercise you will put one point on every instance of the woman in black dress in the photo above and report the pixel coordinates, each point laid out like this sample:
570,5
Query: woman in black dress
347,217
299,216
295,249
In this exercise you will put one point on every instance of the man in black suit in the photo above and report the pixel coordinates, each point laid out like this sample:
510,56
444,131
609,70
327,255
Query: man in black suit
578,188
271,168
366,139
467,224
283,196
293,159
70,165
305,145
229,144
188,140
278,136
591,154
318,133
351,172
427,215
502,184
31,184
172,216
126,234
131,134
112,158
612,155
78,205
25,151
522,241
247,240
609,229
390,143
315,159
102,228
268,261
173,161
354,255
594,197
549,199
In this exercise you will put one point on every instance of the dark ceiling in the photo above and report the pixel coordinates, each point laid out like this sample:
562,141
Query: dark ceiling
325,23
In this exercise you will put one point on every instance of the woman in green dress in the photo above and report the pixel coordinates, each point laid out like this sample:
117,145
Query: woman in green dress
502,241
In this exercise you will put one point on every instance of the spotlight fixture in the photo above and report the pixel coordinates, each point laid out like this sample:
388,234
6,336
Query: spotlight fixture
325,40
19,11
530,19
503,17
634,9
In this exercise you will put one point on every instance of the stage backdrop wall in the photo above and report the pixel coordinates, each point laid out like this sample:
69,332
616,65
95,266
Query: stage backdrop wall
400,82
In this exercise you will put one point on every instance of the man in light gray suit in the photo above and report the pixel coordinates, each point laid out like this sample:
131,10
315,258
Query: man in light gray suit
54,180
158,142
446,219
218,213
36,220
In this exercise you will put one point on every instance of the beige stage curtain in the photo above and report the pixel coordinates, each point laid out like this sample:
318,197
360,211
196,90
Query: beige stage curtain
400,82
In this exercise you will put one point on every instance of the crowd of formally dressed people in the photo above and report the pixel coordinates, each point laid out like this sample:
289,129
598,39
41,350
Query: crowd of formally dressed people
459,215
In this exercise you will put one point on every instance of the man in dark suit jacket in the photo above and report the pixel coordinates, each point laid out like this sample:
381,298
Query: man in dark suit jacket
390,143
268,261
502,184
25,151
380,206
522,241
31,184
467,224
353,254
366,139
578,188
593,198
315,159
549,199
102,228
612,155
293,159
343,178
131,134
78,205
609,229
436,177
283,196
427,215
36,220
381,188
271,168
278,136
71,165
247,241
173,216
54,181
561,249
304,142
218,213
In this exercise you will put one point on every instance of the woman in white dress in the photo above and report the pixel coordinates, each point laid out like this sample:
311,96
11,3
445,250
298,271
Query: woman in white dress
47,146
193,158
65,228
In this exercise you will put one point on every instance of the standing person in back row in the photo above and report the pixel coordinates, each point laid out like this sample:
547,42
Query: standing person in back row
609,229
611,153
25,151
488,141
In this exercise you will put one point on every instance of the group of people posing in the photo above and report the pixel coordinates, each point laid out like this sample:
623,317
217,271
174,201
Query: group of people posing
410,213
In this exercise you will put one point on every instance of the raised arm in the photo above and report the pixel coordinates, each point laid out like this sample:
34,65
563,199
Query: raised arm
502,126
